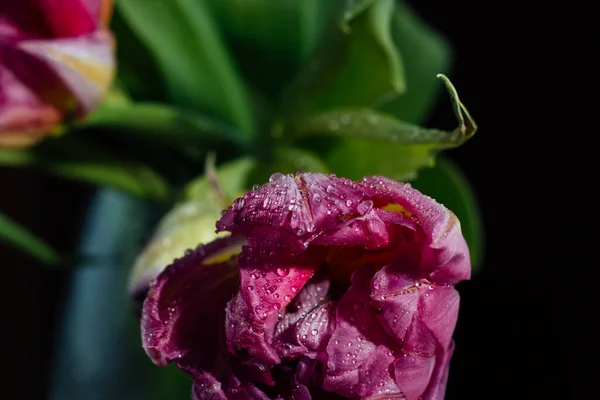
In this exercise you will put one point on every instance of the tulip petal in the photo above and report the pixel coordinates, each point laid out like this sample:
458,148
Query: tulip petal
356,337
265,290
207,387
445,258
24,118
85,64
185,305
297,205
376,378
437,383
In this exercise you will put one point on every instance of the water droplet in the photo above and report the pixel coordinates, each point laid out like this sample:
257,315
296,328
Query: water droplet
276,177
336,341
349,344
417,284
282,271
330,189
348,203
304,336
299,231
360,338
348,354
376,286
430,287
250,287
317,198
314,332
256,186
294,289
239,204
390,353
287,297
353,361
276,295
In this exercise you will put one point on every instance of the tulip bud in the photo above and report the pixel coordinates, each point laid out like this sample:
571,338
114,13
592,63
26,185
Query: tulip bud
324,285
56,62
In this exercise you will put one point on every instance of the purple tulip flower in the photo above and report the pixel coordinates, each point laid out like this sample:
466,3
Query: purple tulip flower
56,61
326,289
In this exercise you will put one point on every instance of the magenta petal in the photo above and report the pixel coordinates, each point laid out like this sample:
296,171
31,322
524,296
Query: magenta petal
185,305
367,231
264,292
445,257
298,205
85,64
413,372
207,387
376,376
436,389
356,336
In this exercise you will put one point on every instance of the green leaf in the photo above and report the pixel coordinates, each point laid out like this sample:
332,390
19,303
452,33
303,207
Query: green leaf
373,125
163,124
425,53
136,70
187,46
380,144
446,184
272,39
76,157
16,235
396,161
359,66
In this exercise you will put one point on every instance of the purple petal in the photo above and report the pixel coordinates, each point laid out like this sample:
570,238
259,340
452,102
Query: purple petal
413,372
436,389
313,294
445,256
376,378
430,311
297,205
185,305
207,387
356,336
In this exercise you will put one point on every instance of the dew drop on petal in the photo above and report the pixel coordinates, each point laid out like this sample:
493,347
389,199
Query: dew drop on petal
276,177
256,186
287,297
314,332
294,289
330,189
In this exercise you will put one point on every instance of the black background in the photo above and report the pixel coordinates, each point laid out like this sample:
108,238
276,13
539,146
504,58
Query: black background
510,343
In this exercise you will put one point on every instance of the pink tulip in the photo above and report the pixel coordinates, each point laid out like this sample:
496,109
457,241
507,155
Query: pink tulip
56,62
326,288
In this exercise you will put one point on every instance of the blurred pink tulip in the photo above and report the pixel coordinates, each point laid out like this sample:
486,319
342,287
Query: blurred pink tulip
56,61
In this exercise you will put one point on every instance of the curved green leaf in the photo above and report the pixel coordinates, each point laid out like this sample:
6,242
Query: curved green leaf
446,184
380,144
187,46
162,123
16,235
272,39
358,67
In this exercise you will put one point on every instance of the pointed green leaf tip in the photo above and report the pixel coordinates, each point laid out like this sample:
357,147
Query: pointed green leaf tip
468,128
